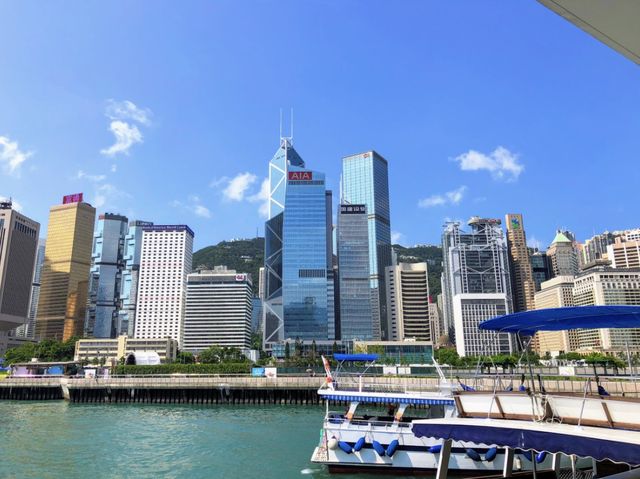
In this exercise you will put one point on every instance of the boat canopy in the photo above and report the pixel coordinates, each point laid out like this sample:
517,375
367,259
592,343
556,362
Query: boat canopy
355,357
596,442
560,319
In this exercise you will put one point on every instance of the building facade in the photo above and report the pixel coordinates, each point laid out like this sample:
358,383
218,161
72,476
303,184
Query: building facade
407,289
476,285
555,293
365,181
624,254
18,248
540,266
64,281
112,350
522,283
105,277
356,320
218,310
608,286
297,252
563,256
29,330
165,262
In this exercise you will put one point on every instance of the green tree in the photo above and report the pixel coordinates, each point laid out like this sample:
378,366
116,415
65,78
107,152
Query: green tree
334,348
185,357
447,356
287,350
213,355
314,350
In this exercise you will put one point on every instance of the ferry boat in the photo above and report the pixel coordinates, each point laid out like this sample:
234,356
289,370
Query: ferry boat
375,432
597,433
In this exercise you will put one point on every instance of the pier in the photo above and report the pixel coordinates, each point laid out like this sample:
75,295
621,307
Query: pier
238,389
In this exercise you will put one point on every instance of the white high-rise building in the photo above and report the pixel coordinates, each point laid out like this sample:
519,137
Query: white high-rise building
407,288
165,262
218,311
476,285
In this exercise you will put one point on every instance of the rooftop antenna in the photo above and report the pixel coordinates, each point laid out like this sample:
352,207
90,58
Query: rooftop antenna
291,127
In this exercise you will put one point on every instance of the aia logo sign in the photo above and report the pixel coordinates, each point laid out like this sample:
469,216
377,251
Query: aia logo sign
300,176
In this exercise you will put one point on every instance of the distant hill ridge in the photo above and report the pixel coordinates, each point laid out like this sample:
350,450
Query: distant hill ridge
247,256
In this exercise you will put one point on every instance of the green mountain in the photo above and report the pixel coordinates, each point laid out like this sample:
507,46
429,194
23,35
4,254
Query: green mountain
245,256
432,255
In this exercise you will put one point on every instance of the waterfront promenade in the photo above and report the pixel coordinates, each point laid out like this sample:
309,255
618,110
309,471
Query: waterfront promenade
244,389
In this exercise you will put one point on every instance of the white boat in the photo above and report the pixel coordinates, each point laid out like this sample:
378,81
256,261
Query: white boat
598,433
375,432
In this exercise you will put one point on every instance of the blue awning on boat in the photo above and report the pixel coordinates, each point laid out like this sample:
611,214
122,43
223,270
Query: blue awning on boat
561,319
355,357
551,441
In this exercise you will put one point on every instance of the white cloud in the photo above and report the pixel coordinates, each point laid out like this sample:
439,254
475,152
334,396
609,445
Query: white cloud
108,196
11,157
238,185
95,178
127,110
396,237
14,203
126,136
453,197
193,205
114,168
502,164
262,197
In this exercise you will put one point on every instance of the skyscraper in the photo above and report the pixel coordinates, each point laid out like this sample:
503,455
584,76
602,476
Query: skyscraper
65,273
555,293
296,251
408,301
476,285
523,285
624,254
165,261
356,321
365,181
540,266
18,245
29,330
563,256
130,275
105,276
218,310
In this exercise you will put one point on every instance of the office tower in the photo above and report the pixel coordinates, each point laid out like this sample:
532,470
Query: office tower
296,251
608,286
523,285
64,282
165,262
632,235
540,266
28,330
105,276
555,293
596,247
563,256
476,284
356,321
218,310
624,254
407,289
331,280
365,182
18,246
130,276
261,283
435,324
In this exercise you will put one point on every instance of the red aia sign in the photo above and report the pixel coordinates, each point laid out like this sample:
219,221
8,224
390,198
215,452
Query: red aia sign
75,198
300,176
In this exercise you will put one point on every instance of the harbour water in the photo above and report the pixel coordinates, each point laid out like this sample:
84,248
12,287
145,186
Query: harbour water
56,439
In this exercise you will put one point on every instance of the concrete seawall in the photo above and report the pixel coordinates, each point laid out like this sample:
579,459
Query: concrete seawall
216,389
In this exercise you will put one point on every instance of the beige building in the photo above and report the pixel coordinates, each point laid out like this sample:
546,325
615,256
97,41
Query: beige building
624,254
563,256
114,349
435,323
555,293
608,286
65,273
408,301
523,285
18,246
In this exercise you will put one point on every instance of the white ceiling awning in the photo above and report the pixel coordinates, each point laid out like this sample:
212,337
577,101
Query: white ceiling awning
613,22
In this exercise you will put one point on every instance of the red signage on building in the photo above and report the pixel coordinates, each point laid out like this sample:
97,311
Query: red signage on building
74,198
300,176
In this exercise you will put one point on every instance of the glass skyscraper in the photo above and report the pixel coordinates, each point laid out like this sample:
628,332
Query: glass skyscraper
353,270
105,276
296,251
365,181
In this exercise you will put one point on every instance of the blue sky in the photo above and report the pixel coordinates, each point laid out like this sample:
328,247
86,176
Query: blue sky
169,111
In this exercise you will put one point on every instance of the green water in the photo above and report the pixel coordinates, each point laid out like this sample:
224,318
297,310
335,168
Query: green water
60,440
